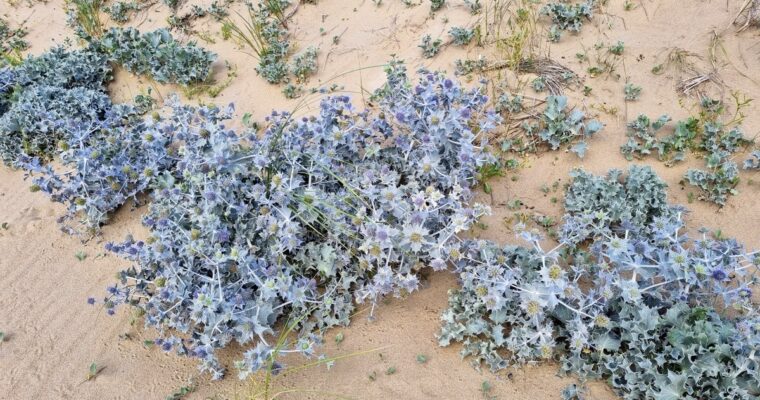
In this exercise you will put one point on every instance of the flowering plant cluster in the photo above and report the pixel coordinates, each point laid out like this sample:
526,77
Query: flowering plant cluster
39,94
107,161
156,54
56,105
298,224
625,296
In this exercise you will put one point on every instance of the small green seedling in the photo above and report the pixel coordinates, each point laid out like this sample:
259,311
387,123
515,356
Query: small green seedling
181,393
80,255
339,338
421,358
390,371
5,226
93,372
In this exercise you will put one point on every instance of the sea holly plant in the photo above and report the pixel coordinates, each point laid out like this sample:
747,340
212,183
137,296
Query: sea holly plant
642,136
753,163
106,163
625,297
558,126
304,219
461,36
429,46
567,16
157,55
717,183
33,125
304,64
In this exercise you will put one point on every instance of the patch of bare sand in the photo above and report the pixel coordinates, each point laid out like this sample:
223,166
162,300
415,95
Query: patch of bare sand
53,335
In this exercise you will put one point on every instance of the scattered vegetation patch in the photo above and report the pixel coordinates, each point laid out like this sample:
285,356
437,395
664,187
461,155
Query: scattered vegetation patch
12,43
429,46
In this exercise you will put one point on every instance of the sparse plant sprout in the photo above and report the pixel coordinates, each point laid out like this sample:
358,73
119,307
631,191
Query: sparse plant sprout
467,67
538,84
93,371
558,126
182,392
461,36
717,183
429,46
632,92
436,5
753,163
421,359
617,48
642,138
292,91
474,6
121,11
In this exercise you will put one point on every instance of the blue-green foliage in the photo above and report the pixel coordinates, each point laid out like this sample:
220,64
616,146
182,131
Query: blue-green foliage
567,16
296,224
558,126
461,36
626,297
753,163
157,55
642,139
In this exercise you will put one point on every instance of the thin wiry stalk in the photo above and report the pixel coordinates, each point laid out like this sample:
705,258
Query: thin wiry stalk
87,15
249,32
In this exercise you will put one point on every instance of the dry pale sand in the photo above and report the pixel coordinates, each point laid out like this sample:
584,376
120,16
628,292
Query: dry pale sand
52,335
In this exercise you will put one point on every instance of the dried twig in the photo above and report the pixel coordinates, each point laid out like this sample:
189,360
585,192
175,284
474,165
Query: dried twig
749,13
555,75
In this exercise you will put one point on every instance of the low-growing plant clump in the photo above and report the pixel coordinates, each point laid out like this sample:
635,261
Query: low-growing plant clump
461,36
429,46
315,214
157,55
567,17
555,127
625,296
